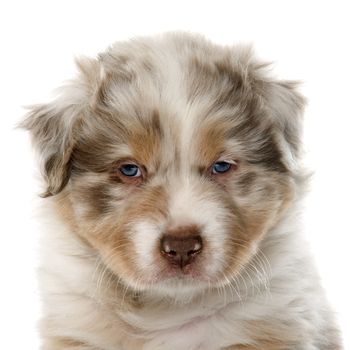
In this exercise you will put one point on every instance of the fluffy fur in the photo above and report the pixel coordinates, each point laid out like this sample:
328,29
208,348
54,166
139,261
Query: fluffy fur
174,106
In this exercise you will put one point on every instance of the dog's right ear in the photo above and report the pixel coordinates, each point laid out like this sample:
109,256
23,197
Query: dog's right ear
52,132
54,127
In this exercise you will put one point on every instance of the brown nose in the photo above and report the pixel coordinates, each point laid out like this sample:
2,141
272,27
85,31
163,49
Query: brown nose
180,251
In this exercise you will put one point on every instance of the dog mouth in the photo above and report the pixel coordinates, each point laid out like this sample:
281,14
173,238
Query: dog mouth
190,275
185,273
180,282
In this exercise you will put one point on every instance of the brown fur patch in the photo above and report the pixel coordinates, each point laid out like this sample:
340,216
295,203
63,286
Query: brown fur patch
114,239
263,345
52,135
145,141
220,76
255,142
271,335
60,343
254,219
101,198
98,144
246,181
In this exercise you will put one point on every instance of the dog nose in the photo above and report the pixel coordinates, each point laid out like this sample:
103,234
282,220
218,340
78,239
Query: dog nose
181,251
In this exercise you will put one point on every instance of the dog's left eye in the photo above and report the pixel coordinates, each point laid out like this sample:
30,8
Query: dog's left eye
221,167
130,170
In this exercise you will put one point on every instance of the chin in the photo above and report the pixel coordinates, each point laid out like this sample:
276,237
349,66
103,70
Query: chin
173,182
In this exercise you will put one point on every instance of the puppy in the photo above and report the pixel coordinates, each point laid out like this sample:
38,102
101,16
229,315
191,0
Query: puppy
173,188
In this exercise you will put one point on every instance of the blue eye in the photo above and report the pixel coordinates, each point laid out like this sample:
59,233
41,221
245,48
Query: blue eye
221,167
131,170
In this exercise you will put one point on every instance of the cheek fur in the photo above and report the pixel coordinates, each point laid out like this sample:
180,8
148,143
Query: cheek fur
261,200
116,233
126,228
146,240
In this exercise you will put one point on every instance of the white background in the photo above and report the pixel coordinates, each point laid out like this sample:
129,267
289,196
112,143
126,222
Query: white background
309,40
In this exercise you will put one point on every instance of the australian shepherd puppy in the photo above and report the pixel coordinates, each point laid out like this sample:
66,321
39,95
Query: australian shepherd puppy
173,187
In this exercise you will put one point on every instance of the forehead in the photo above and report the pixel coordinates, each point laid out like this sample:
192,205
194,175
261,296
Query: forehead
182,97
176,75
178,100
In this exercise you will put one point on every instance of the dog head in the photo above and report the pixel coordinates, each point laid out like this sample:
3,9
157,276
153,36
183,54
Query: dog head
174,157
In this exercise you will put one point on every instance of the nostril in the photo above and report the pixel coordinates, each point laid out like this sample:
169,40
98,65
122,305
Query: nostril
192,252
197,245
166,246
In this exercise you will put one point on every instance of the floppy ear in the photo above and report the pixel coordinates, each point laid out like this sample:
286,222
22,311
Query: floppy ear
285,106
51,127
54,127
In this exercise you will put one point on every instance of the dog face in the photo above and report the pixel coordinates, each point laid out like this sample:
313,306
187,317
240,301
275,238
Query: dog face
172,158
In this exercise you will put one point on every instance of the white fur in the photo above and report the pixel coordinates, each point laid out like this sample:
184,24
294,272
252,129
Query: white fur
210,322
116,304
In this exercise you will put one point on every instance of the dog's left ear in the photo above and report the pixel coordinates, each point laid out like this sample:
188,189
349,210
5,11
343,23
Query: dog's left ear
54,127
285,106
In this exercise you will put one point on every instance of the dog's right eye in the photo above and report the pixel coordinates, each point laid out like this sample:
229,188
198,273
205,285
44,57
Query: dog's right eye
130,170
